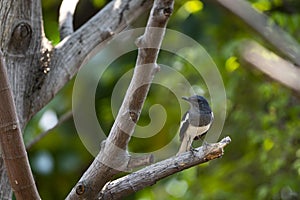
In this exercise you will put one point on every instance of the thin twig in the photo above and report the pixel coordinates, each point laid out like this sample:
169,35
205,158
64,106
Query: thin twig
66,13
40,136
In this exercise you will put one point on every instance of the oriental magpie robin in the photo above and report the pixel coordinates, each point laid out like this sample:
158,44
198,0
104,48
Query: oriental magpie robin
195,122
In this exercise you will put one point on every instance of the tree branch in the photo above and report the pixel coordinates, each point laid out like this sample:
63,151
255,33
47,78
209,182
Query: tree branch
11,142
153,173
62,119
113,156
66,12
280,39
64,60
274,66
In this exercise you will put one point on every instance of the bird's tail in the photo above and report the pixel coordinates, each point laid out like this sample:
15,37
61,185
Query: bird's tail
185,145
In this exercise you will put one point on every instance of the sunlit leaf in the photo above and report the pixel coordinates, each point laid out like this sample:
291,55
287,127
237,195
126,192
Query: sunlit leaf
268,144
99,3
193,6
262,5
231,64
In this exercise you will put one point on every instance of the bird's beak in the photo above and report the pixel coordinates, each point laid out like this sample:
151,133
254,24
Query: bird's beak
186,98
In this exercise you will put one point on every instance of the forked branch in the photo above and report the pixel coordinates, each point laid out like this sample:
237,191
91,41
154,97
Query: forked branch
65,59
113,156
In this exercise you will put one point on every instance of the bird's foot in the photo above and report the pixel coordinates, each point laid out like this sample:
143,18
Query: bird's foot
193,151
205,143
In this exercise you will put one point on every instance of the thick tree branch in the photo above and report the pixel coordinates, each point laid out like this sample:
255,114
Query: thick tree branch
21,38
153,173
280,39
274,66
11,142
113,156
64,60
65,20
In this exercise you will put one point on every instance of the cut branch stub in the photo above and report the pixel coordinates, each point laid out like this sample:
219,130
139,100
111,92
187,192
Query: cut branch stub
20,38
80,188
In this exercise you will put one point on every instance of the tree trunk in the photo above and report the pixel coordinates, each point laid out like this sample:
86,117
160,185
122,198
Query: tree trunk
21,43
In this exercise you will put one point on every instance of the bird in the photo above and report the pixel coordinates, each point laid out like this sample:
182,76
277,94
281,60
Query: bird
195,122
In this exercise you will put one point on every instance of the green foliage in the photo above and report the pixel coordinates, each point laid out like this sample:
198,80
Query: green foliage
261,162
99,3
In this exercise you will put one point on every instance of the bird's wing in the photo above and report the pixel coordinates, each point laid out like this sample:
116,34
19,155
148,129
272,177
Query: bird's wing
184,125
203,134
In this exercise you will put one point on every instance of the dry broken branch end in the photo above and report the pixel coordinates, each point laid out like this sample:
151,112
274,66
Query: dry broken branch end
217,149
204,153
151,174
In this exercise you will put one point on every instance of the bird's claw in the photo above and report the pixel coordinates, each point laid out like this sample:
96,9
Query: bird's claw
193,151
205,143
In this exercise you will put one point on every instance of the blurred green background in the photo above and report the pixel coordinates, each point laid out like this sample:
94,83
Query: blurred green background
261,162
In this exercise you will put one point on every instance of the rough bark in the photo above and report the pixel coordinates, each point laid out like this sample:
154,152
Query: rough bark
21,38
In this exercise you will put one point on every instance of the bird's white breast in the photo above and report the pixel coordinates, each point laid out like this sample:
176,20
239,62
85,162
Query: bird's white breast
197,131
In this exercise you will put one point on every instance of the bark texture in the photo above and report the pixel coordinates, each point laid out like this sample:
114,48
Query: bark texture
12,145
36,69
21,40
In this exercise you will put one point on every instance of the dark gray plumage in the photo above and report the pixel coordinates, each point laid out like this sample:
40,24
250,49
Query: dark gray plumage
195,122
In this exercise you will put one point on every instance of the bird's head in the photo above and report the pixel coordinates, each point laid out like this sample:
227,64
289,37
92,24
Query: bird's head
198,102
